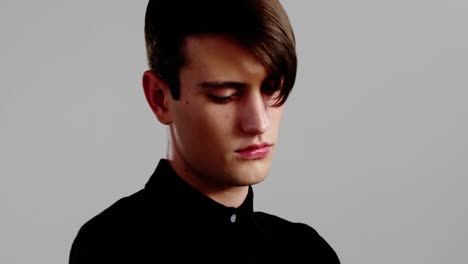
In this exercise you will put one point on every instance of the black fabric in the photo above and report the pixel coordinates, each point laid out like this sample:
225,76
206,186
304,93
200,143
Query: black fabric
169,221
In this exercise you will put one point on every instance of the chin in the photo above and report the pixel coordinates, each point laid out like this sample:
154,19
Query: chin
257,180
253,173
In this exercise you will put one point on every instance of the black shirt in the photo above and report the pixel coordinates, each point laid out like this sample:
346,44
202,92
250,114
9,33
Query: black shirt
170,221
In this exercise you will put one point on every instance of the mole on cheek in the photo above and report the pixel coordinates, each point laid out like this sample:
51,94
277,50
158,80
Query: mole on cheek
187,102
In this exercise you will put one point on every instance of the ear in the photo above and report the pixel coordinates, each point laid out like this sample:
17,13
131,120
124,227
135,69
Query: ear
158,96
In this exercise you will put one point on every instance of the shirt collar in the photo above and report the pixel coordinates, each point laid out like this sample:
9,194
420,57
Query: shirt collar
168,185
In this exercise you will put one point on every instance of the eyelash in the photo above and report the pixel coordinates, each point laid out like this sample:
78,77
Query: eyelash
270,91
222,100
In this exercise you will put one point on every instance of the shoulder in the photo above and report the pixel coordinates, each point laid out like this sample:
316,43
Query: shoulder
120,212
103,234
298,237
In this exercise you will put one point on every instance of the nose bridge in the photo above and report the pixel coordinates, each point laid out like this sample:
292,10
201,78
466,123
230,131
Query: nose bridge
255,118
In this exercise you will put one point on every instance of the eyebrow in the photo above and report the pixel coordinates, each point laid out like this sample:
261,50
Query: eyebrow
221,85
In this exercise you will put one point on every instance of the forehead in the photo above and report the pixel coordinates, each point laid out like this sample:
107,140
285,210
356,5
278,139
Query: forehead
217,56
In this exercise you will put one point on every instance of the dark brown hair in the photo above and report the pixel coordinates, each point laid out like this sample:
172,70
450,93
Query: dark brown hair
260,25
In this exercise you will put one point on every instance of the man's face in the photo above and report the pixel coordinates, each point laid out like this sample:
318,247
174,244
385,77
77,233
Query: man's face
224,127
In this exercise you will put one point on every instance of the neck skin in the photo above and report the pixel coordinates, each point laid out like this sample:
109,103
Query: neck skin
230,196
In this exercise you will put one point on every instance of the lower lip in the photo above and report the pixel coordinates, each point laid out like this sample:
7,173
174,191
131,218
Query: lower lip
257,153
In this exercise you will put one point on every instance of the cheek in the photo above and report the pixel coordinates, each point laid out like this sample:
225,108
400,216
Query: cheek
217,122
203,122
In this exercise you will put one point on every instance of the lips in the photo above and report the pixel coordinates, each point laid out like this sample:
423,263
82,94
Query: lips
255,151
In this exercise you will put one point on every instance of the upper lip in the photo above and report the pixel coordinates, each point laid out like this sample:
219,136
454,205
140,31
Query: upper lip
254,146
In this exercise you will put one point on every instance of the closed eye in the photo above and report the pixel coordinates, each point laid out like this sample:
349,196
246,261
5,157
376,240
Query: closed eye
222,99
222,92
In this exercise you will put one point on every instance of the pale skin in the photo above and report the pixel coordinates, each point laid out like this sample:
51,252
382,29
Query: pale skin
223,107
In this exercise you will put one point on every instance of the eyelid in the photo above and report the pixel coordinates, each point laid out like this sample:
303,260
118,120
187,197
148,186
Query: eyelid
222,99
223,92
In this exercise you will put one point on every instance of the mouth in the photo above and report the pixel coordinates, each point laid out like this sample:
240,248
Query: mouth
255,151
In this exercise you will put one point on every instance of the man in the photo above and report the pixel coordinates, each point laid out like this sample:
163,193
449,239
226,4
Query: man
220,73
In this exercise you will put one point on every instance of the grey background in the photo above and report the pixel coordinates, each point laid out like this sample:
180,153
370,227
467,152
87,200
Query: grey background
373,150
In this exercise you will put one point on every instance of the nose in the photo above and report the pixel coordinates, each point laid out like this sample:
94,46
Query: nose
254,115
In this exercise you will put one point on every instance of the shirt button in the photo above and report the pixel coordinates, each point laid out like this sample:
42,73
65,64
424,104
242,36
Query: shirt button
233,218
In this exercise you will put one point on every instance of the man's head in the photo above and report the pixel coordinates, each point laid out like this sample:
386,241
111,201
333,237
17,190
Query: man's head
220,72
262,26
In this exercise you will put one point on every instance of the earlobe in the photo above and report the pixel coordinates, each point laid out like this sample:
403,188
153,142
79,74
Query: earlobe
158,95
